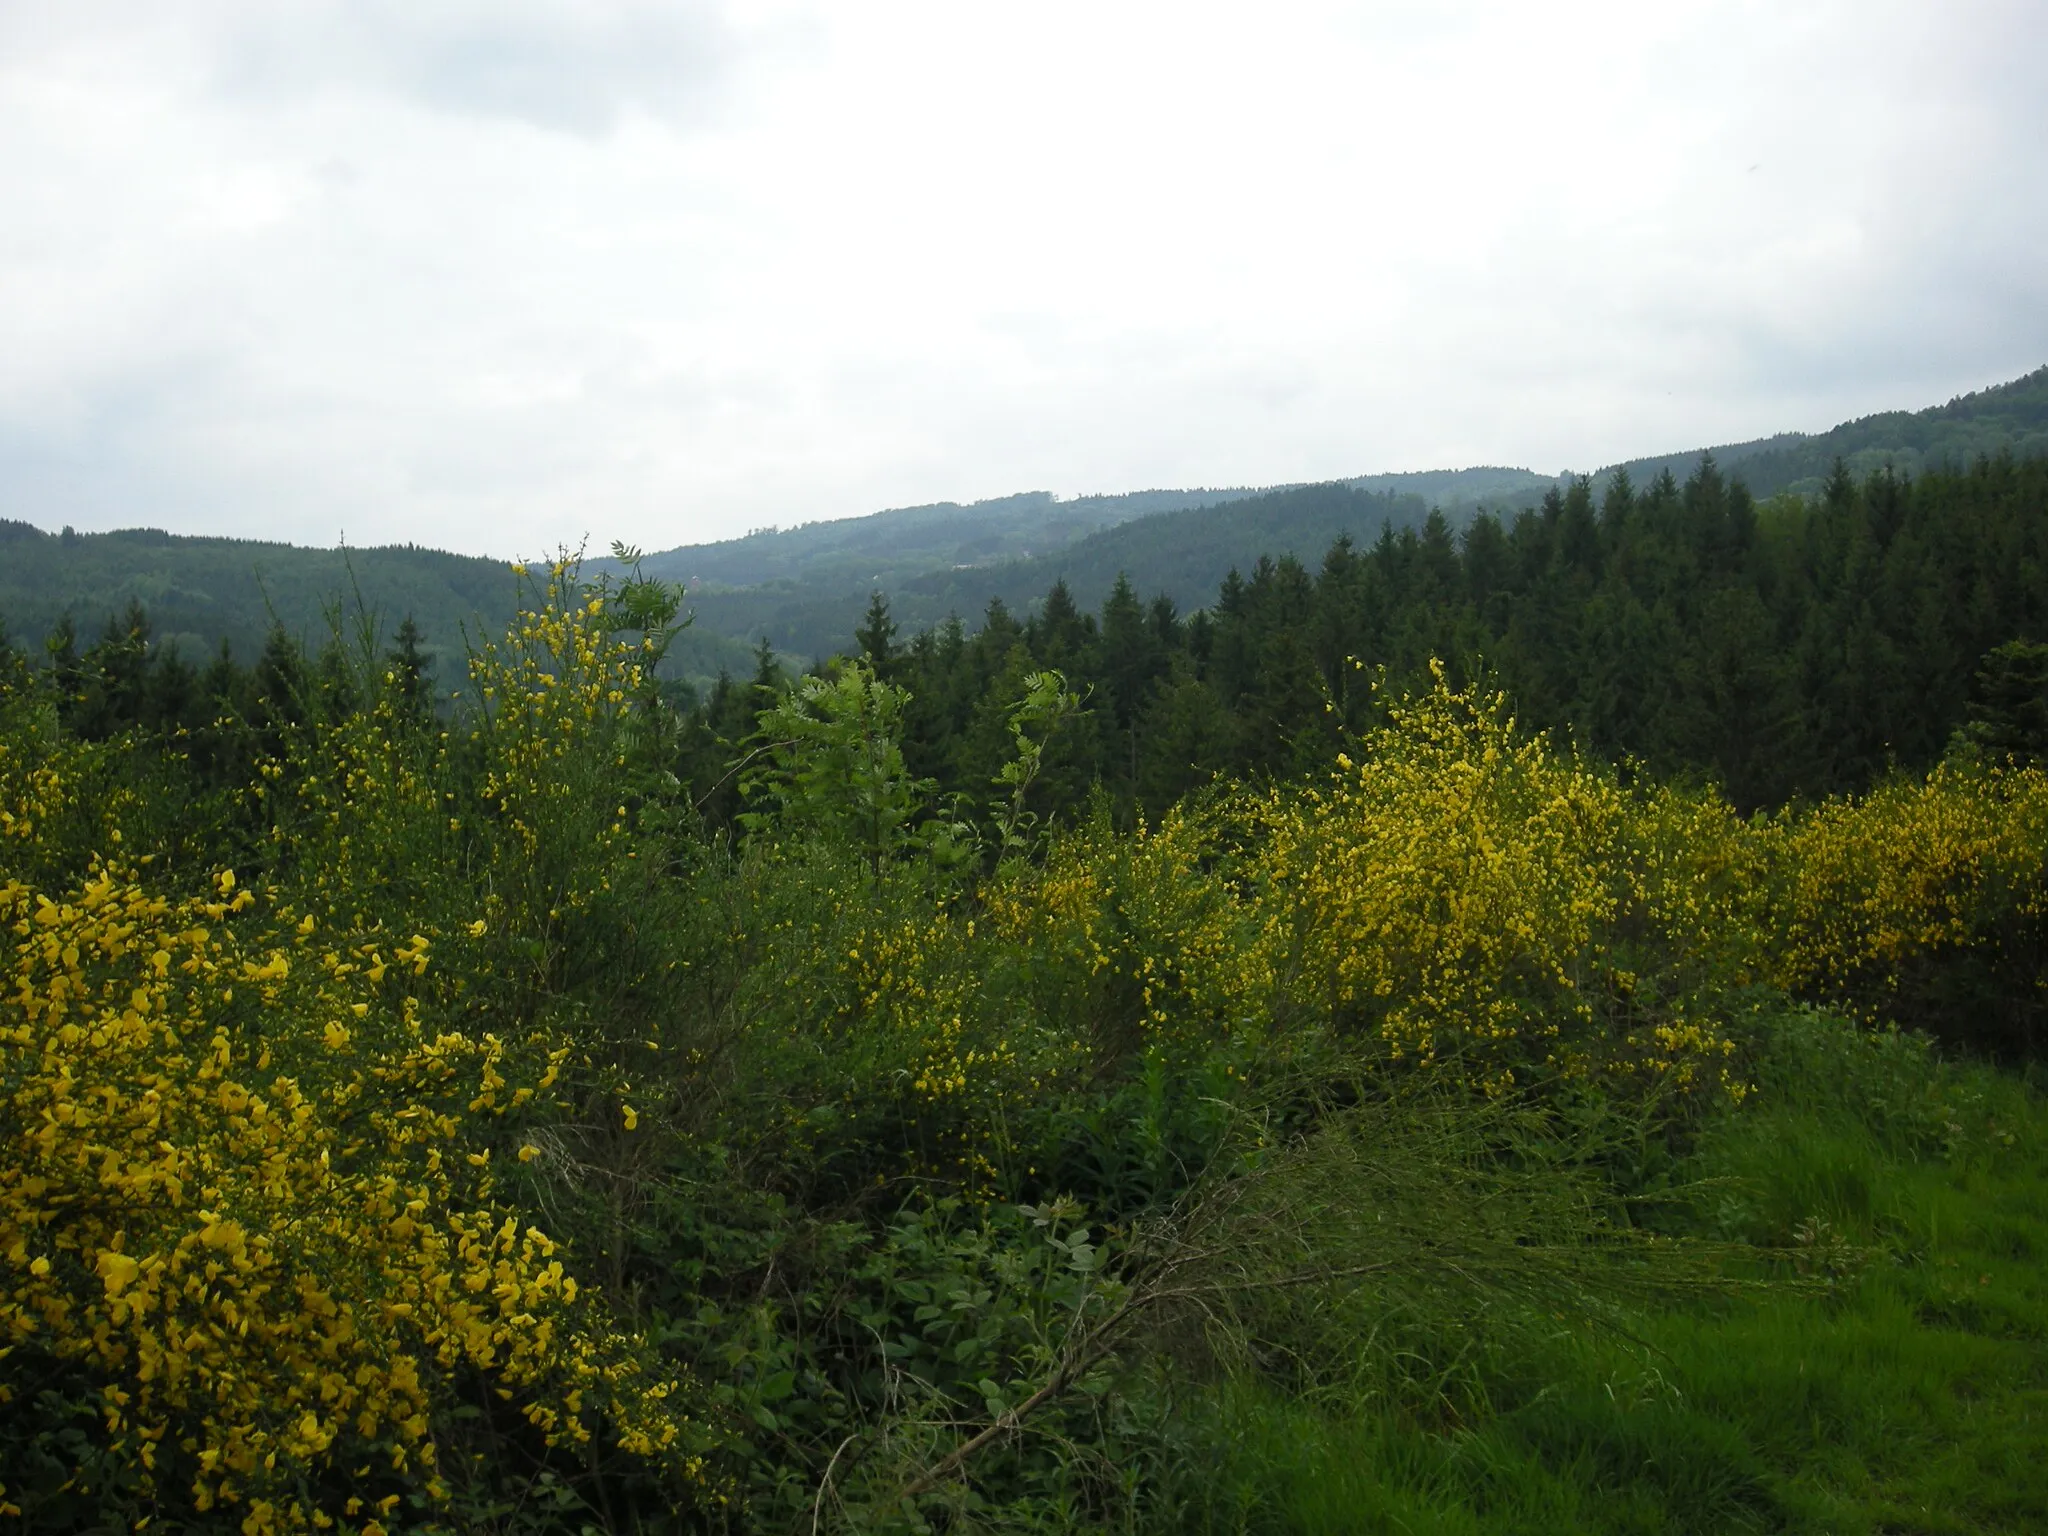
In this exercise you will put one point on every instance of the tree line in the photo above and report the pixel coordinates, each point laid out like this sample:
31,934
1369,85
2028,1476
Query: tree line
1794,648
1789,649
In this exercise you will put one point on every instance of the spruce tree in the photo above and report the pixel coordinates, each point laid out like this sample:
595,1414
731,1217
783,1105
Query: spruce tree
2008,710
411,673
877,635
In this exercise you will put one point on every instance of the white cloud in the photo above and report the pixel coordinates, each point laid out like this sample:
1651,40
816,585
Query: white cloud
496,275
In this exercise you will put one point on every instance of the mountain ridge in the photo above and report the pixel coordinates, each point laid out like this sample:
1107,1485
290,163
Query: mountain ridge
803,589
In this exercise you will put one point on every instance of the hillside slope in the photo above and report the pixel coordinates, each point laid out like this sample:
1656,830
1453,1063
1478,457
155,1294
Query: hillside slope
1182,554
2006,417
886,546
201,593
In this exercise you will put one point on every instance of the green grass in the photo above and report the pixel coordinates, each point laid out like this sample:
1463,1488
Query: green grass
1901,1387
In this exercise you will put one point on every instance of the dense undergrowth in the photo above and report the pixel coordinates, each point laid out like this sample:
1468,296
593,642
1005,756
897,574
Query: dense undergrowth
421,1121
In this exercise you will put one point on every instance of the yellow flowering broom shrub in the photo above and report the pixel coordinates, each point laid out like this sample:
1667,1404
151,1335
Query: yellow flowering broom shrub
1486,905
1481,901
1923,900
247,1188
1142,937
947,1032
523,796
1464,890
61,800
239,1187
563,687
921,1054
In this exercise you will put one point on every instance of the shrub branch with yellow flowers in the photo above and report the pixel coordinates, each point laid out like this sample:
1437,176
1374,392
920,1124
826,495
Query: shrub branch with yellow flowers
243,1187
1464,890
1924,901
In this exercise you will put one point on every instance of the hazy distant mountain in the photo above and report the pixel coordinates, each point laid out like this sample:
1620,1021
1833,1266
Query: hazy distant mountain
886,546
1183,554
1457,490
804,588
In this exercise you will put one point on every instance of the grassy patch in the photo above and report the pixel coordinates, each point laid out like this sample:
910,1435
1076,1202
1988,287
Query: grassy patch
1904,1388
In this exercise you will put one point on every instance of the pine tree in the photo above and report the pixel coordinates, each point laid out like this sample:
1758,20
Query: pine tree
1617,504
877,634
1061,631
1130,659
278,689
1130,662
172,701
2008,710
66,678
1579,532
769,682
1185,738
1840,491
411,673
115,676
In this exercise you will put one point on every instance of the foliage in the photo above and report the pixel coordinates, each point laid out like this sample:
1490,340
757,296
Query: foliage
517,1141
212,1113
1924,902
1462,890
1045,706
834,768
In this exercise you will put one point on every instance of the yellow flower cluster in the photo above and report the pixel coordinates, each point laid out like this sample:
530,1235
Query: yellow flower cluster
1461,889
38,791
368,815
1916,867
59,797
909,977
560,684
1486,904
986,1010
239,1185
1151,917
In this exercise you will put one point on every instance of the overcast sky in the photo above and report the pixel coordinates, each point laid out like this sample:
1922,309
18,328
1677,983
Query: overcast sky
498,274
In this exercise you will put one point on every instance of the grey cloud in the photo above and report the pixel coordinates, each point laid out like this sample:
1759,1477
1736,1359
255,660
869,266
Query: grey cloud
287,269
553,64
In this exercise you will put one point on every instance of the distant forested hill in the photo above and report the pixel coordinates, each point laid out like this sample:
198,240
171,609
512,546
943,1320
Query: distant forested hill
804,589
1183,554
1180,543
199,593
887,546
2008,417
1186,555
